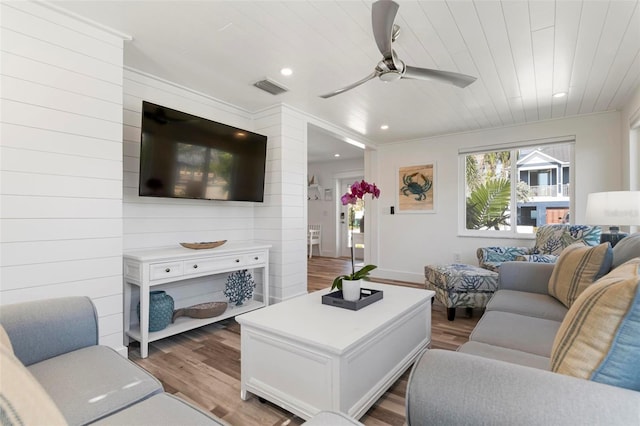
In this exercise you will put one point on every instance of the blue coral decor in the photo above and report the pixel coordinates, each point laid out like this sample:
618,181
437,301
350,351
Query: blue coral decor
239,287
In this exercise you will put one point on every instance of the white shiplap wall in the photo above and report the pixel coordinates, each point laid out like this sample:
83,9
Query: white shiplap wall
281,220
61,161
156,222
151,222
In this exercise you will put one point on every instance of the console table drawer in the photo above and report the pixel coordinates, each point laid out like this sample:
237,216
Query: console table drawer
159,271
198,266
255,258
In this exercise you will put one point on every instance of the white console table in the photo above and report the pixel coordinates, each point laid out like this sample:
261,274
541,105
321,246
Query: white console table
144,269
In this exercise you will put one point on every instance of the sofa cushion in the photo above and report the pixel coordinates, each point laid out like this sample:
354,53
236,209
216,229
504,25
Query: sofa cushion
525,303
524,276
92,382
42,329
453,388
626,249
161,410
513,331
23,401
505,354
577,268
598,339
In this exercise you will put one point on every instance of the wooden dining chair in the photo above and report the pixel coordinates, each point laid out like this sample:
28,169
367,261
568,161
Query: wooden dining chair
314,237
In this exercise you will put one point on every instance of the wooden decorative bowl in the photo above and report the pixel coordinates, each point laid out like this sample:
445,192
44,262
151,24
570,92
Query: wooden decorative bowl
203,310
205,245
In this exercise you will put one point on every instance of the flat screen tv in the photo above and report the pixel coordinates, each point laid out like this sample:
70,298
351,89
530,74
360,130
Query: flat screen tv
184,156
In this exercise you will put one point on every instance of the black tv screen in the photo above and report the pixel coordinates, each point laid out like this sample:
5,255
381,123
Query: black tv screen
184,156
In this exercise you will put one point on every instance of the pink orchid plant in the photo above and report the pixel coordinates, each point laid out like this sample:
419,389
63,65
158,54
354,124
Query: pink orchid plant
356,192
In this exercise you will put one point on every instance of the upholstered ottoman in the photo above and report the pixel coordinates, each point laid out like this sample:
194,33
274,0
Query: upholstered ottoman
461,286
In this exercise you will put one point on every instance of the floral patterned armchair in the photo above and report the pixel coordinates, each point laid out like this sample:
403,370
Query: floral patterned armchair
550,241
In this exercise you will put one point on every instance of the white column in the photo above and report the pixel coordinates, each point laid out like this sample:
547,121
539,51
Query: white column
281,220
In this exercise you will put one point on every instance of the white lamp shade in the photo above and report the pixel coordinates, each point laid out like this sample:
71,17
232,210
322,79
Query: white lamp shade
613,208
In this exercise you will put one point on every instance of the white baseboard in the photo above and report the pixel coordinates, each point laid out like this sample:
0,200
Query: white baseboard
274,300
390,274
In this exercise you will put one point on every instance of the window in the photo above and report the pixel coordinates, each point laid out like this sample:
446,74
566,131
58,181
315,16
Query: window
533,178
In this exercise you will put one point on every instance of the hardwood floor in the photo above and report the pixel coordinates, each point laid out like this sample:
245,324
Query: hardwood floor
203,365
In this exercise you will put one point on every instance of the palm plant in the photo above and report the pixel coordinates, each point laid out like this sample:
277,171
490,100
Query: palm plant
472,172
488,203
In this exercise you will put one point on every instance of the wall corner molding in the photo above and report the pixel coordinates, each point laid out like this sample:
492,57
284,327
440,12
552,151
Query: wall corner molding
62,10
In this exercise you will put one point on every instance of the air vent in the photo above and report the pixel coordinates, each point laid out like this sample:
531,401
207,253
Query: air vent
270,86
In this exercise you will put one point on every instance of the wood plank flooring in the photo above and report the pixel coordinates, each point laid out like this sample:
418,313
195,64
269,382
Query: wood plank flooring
203,365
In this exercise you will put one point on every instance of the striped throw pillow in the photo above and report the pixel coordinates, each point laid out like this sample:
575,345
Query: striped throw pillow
598,339
5,341
577,267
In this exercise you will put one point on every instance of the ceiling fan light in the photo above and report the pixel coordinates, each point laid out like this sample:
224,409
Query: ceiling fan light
390,76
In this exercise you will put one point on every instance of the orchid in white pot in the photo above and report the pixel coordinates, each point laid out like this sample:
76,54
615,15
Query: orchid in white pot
356,192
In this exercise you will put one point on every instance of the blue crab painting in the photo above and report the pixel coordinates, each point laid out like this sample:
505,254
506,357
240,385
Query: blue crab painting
412,187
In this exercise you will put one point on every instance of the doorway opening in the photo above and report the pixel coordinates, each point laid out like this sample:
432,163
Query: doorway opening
352,218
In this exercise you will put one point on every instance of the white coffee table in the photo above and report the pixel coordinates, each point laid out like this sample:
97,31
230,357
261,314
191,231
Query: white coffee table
306,357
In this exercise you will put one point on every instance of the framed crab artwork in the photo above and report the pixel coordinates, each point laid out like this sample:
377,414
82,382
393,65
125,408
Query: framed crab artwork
416,189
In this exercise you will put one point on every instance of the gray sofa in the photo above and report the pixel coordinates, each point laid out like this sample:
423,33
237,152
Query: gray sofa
502,375
57,341
54,372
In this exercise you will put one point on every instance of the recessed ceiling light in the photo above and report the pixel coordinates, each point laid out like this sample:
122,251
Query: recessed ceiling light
336,155
384,126
560,94
286,71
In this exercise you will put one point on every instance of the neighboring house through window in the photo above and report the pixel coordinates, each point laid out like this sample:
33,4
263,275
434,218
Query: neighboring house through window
533,176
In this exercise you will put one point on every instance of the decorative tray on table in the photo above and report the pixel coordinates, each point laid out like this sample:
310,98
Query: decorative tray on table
204,245
367,297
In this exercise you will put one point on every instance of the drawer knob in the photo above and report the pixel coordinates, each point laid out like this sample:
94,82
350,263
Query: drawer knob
195,266
168,270
255,258
237,260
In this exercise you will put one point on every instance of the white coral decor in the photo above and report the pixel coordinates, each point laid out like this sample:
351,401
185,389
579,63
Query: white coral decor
239,287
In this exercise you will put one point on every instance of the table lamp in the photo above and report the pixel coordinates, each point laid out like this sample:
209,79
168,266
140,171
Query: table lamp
614,208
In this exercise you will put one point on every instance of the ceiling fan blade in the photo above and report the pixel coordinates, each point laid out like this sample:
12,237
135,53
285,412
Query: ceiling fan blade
351,86
383,13
457,79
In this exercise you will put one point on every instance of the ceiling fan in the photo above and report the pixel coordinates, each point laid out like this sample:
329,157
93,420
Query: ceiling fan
391,68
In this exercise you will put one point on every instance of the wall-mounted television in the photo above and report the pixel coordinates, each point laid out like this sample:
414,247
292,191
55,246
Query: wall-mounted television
185,156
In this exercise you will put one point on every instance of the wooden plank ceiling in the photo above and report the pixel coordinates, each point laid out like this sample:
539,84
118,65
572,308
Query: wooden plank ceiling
522,52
